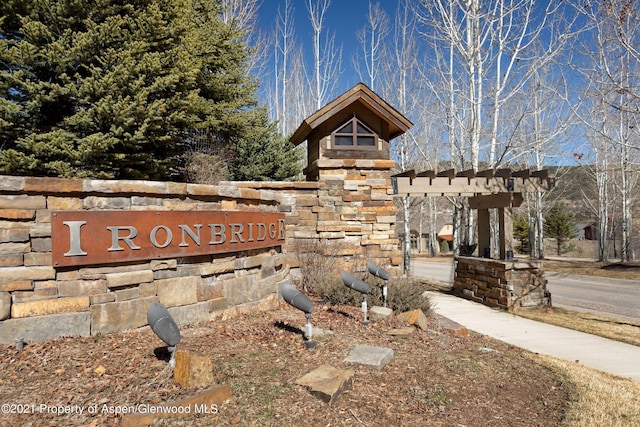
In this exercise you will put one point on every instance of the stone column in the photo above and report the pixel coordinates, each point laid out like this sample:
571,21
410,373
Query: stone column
355,207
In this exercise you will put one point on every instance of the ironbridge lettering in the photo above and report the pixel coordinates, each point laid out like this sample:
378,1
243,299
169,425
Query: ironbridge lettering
97,237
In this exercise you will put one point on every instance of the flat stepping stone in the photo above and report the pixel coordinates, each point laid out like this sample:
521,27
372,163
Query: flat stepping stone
373,357
402,332
318,332
380,313
327,382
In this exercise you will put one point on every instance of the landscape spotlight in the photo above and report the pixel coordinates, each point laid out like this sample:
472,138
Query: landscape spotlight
356,284
380,272
164,327
300,301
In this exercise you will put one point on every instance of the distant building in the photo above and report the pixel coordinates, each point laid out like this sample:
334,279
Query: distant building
587,230
420,243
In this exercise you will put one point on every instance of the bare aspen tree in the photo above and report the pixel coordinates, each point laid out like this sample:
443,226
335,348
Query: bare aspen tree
600,168
243,14
602,212
299,104
284,44
624,74
611,109
623,19
487,51
402,64
492,47
426,138
447,87
371,39
288,83
541,136
327,58
453,29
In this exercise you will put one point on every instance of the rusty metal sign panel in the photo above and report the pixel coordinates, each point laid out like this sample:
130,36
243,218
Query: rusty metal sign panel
106,237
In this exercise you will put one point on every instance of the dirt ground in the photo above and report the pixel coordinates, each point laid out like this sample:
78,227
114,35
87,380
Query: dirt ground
435,379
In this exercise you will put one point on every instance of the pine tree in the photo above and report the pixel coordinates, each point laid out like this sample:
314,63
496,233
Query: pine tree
106,89
521,231
265,156
116,89
560,224
257,151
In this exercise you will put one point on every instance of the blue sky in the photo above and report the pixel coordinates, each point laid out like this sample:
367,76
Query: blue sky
343,19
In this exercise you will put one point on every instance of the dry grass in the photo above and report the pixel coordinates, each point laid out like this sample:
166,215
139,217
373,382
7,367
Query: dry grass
606,327
615,270
597,398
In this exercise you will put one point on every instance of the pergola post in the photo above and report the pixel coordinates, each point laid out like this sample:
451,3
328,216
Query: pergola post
484,233
505,222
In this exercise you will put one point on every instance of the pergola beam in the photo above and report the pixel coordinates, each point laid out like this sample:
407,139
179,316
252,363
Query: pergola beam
488,173
499,189
427,174
450,173
447,185
500,200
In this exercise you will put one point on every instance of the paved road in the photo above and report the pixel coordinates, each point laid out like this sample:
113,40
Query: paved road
604,295
437,271
619,298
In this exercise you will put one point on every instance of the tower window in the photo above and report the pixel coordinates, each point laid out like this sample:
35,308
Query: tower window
354,134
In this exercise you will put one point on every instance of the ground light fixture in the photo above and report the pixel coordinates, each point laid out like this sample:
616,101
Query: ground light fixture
300,301
359,285
164,327
383,274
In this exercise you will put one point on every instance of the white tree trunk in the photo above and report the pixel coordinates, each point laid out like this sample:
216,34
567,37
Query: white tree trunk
371,39
326,58
433,223
602,182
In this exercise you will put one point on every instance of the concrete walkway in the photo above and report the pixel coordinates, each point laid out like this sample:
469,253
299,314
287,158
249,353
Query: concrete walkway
600,353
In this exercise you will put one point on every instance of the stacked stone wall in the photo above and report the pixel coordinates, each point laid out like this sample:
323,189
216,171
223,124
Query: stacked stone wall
509,285
349,208
38,301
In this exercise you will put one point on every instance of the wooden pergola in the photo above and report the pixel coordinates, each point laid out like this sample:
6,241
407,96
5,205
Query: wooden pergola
499,189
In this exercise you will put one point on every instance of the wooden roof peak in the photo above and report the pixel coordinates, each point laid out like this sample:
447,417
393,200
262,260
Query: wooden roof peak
398,124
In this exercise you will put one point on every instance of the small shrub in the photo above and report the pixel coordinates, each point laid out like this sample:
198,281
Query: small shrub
204,168
333,291
403,294
317,259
